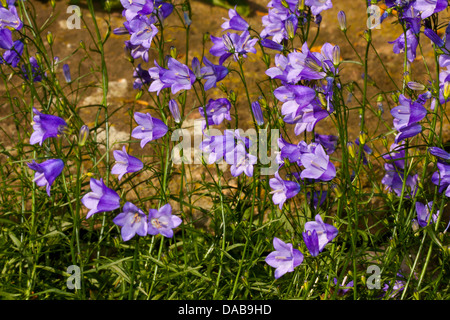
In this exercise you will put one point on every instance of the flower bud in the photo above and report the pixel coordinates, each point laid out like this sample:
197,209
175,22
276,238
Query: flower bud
342,20
66,72
336,56
49,38
415,86
175,111
187,20
173,52
446,90
351,149
257,112
289,25
83,135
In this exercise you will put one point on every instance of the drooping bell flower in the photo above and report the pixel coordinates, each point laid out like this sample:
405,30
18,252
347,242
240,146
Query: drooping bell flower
236,22
162,221
232,44
125,163
423,213
178,76
100,199
46,126
441,178
282,189
132,220
411,44
148,128
317,6
325,232
285,258
46,172
212,73
216,111
243,161
429,7
317,165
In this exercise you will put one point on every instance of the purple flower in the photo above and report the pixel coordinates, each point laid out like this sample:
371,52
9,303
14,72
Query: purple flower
285,258
12,56
46,126
236,22
317,6
142,30
411,44
438,152
324,232
100,199
317,165
428,7
9,18
212,73
142,77
343,285
46,172
434,37
177,77
282,189
132,220
423,213
406,116
132,8
36,71
257,112
243,161
216,111
148,128
66,72
394,177
329,142
312,242
316,195
232,44
399,286
156,84
441,178
162,221
125,163
270,44
174,110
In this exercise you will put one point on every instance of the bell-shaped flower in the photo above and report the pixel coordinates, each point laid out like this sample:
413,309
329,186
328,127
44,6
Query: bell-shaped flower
423,213
125,163
324,232
216,111
282,189
285,258
242,161
46,126
178,76
46,172
162,221
148,128
317,165
100,199
236,22
441,178
132,220
428,7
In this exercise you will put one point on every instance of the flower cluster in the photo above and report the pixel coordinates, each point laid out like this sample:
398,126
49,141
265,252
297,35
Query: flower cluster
285,258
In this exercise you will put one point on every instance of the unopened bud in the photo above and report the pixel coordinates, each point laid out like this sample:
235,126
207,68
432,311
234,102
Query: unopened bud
49,38
446,90
173,52
336,56
83,135
342,20
175,111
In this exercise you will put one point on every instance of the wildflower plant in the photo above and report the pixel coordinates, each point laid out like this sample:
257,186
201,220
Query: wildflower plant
305,156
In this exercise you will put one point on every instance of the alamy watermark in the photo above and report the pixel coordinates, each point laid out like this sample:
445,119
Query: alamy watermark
74,20
74,280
